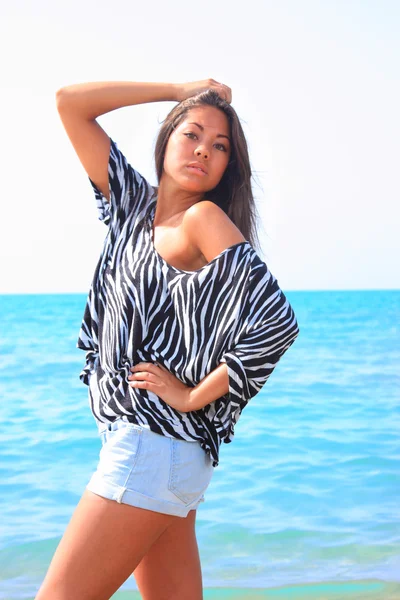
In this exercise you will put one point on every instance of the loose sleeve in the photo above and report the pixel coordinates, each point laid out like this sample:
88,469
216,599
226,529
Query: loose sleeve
129,190
269,328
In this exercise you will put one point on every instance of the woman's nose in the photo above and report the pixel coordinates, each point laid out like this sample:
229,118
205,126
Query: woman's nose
202,152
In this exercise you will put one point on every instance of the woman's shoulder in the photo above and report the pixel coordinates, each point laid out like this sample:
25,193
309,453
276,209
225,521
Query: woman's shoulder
210,229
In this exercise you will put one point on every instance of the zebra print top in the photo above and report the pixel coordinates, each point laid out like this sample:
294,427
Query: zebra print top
142,309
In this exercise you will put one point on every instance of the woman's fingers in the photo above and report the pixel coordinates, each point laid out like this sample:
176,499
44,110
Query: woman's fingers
141,375
195,87
143,366
145,372
223,90
228,94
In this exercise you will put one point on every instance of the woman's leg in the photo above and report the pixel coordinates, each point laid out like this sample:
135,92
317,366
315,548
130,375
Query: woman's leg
171,569
102,545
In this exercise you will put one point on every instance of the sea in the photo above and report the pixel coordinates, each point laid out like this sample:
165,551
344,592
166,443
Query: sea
305,503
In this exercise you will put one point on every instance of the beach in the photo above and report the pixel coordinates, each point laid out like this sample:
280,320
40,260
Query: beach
304,503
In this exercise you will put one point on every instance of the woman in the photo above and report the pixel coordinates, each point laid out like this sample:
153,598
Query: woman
183,326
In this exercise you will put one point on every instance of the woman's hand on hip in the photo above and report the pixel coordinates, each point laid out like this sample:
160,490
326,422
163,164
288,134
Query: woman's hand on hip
186,90
160,381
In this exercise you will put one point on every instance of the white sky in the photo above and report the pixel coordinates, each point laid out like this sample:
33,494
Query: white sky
315,84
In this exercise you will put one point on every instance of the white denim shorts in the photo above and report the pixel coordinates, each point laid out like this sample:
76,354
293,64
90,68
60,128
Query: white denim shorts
142,468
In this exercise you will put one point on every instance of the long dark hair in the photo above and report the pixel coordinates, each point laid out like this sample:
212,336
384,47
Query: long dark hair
233,194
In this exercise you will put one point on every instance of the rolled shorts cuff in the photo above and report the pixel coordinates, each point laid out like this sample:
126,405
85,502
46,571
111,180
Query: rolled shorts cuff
112,491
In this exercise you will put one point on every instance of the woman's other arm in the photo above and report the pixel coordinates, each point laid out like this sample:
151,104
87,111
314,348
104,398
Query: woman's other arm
214,385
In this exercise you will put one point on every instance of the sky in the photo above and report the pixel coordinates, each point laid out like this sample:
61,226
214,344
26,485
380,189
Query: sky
314,83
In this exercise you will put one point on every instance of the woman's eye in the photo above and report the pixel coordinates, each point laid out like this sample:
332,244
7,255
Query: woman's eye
221,145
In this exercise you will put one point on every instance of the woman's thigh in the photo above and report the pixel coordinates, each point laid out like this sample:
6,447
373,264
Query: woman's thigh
102,544
171,569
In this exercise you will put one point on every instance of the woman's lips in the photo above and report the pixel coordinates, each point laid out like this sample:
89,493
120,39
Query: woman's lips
196,170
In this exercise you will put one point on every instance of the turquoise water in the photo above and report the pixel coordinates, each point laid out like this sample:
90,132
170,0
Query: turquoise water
305,501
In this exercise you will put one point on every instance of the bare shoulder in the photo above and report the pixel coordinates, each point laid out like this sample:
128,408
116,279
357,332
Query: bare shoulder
210,229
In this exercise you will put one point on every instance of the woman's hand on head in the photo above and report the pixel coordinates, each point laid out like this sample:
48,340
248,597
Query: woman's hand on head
158,379
186,90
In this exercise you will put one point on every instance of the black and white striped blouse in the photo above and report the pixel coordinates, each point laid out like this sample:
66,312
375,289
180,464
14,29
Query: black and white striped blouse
142,309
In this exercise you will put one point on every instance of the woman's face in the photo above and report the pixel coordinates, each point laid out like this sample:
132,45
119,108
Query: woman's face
207,143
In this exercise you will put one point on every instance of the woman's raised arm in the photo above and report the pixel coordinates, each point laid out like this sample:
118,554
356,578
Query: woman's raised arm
90,100
78,106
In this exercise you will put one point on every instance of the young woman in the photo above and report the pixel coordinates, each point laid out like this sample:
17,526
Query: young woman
183,325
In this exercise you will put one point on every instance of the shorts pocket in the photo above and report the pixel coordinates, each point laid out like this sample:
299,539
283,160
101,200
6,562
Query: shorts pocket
119,454
190,470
